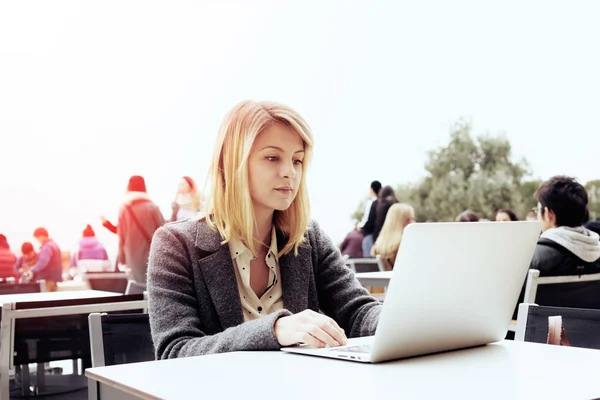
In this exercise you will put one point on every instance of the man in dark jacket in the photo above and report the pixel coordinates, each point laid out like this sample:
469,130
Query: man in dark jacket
594,226
367,225
565,246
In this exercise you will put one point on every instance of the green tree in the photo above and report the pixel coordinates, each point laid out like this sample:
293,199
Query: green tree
477,174
470,173
527,190
358,214
593,190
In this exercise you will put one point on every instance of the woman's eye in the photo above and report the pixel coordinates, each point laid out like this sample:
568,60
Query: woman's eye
298,162
272,159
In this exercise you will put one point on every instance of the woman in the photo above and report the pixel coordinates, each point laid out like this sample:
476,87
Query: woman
91,255
399,216
188,201
254,273
506,216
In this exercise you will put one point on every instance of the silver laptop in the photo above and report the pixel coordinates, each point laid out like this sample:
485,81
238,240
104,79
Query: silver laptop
454,285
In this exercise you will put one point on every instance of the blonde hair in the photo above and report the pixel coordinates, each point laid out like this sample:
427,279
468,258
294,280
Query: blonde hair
229,208
388,242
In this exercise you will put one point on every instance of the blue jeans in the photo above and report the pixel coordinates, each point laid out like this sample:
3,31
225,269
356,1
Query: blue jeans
367,243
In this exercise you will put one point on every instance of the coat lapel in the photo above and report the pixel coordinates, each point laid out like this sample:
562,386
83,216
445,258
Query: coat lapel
295,275
219,276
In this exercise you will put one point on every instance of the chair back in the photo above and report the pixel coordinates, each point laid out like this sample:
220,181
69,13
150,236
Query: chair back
573,291
365,264
582,326
16,288
134,287
107,281
120,339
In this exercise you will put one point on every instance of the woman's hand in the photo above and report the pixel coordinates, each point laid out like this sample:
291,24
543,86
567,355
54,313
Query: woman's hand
310,328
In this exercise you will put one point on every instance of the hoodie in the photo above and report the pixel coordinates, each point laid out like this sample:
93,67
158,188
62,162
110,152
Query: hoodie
89,249
580,241
568,251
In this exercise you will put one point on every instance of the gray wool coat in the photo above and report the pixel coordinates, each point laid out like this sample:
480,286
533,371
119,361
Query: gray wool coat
194,302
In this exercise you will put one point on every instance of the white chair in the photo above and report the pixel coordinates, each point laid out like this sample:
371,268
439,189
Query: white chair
534,280
120,339
134,287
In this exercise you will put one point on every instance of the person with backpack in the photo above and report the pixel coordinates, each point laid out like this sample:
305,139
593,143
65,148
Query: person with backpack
139,218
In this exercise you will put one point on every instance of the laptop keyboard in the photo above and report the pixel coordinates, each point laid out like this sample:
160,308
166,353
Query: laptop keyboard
363,348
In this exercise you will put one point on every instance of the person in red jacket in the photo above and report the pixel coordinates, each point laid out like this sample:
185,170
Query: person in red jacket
7,259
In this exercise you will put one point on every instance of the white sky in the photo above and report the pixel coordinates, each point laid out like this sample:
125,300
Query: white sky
93,92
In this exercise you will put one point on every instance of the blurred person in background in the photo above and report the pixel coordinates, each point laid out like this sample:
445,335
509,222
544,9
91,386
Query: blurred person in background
188,200
506,216
7,259
399,216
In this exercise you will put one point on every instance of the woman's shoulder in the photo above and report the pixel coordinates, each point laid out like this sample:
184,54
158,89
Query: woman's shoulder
186,229
316,235
191,230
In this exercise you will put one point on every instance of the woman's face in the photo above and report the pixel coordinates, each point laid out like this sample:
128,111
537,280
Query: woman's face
502,217
275,168
184,186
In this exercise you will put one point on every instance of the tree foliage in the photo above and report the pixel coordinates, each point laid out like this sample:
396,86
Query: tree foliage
476,173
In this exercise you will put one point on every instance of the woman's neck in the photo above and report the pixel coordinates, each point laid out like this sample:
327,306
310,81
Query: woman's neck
262,228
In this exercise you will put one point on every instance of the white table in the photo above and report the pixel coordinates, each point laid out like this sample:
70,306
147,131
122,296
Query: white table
375,278
504,370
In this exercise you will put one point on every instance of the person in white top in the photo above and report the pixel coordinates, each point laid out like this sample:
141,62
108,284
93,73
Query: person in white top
188,200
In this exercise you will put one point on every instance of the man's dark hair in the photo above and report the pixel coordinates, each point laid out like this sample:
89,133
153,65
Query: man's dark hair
566,197
40,232
26,248
467,216
376,186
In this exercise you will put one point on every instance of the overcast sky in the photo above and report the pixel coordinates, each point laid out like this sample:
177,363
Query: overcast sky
93,92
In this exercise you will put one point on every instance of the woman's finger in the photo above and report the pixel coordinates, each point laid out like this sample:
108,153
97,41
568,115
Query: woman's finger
307,338
315,330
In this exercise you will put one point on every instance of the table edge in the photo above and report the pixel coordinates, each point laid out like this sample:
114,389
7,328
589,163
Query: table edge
127,389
